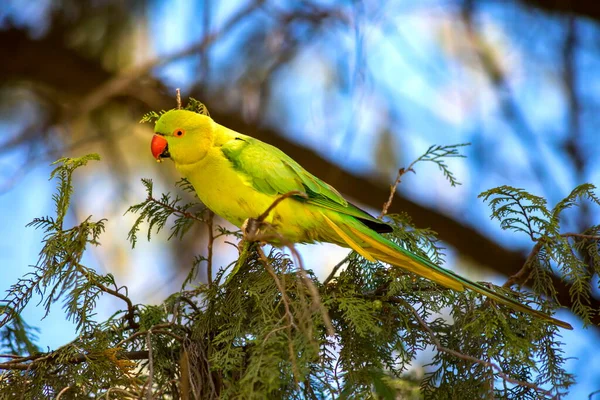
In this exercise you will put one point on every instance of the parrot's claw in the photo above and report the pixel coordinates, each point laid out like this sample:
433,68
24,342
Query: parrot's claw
250,229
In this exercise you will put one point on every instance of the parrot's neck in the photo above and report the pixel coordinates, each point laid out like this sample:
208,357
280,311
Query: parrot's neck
223,135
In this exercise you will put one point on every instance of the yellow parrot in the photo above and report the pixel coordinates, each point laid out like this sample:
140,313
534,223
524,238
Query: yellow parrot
238,177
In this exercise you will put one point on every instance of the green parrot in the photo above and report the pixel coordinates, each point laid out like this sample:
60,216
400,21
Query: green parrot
238,177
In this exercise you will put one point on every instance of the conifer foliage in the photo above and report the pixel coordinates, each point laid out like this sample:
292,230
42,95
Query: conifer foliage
272,330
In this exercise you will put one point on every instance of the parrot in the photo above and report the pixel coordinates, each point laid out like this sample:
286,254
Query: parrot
238,177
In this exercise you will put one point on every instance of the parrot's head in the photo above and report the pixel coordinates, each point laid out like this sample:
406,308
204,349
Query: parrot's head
184,136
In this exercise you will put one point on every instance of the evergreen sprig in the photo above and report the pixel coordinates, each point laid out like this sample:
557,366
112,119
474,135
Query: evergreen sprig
438,154
16,335
58,271
156,212
576,255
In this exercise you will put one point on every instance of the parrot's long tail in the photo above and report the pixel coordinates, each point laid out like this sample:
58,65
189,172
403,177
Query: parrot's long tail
373,246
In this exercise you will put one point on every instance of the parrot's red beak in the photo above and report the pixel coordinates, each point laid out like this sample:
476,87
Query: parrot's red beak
159,147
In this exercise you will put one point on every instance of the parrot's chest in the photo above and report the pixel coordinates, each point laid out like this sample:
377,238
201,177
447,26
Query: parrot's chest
224,190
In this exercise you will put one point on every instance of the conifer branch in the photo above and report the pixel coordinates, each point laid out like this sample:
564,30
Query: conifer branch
255,335
175,210
436,342
290,317
130,314
40,359
521,277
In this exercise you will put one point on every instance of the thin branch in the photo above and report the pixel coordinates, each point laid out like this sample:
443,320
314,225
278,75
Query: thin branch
314,292
278,200
335,269
121,391
388,203
62,392
175,210
580,236
78,359
152,329
178,98
523,274
592,394
130,316
252,231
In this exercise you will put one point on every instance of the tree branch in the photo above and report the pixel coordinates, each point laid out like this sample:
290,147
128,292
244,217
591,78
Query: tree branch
128,355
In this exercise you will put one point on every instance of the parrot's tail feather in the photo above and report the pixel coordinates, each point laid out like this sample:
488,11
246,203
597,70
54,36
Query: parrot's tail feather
348,240
403,259
372,246
409,265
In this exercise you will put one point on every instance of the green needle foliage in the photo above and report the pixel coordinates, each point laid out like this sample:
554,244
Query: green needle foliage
273,330
576,255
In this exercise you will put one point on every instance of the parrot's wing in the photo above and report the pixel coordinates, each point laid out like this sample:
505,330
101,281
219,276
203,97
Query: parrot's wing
269,170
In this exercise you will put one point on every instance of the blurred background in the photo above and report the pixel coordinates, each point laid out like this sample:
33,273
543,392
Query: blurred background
352,90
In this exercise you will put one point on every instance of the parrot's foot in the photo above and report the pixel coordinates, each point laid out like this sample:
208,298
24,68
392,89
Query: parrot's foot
251,229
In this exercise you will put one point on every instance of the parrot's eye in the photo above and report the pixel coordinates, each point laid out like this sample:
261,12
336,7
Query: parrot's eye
178,132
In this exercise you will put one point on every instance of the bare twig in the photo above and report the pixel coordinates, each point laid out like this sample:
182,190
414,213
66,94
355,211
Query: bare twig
436,342
388,203
10,356
523,274
256,230
580,236
335,269
156,328
314,293
278,200
178,98
165,388
592,394
59,395
120,391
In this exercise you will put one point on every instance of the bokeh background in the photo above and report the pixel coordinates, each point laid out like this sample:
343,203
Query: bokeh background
352,90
